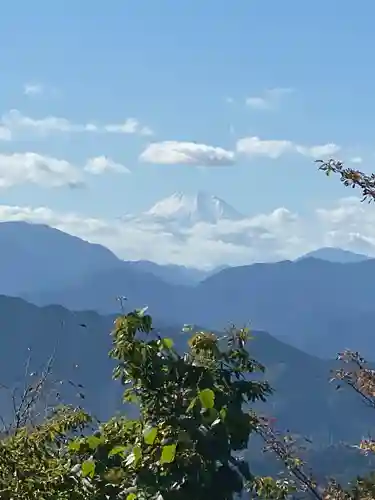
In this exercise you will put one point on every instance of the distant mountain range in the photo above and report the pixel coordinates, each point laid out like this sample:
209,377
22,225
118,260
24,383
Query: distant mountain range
316,305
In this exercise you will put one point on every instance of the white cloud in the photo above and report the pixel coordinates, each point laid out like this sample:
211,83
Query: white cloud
270,99
356,159
15,122
317,152
5,134
278,235
32,89
254,146
258,103
22,168
47,171
102,164
37,89
349,224
130,126
192,153
186,153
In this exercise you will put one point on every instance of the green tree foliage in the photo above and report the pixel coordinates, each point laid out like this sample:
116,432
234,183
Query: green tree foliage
34,463
194,422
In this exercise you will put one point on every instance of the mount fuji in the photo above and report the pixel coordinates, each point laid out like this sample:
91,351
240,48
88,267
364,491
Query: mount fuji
185,210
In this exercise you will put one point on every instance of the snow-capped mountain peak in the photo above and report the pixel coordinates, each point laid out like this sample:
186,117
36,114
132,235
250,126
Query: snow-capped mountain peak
185,209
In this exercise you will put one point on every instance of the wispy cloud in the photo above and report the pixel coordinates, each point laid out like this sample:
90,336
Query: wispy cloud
5,134
14,122
255,147
320,151
33,89
356,159
37,89
269,99
186,153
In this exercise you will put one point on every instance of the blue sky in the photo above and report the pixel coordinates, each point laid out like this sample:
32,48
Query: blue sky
209,72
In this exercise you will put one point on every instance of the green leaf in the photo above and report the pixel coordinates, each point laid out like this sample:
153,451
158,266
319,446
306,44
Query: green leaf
131,496
149,435
192,404
93,442
74,445
117,450
168,454
137,452
88,468
207,398
223,413
167,343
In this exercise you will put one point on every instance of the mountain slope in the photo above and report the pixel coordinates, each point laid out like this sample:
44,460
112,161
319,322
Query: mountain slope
35,256
319,306
100,292
335,255
316,305
303,399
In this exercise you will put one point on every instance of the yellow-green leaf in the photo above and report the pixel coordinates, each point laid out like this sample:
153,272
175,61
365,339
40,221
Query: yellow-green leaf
88,468
117,450
207,398
149,435
94,442
192,404
167,343
168,454
137,454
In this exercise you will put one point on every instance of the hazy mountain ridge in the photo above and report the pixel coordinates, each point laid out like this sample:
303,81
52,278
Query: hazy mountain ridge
81,341
335,255
311,304
316,305
37,258
36,255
